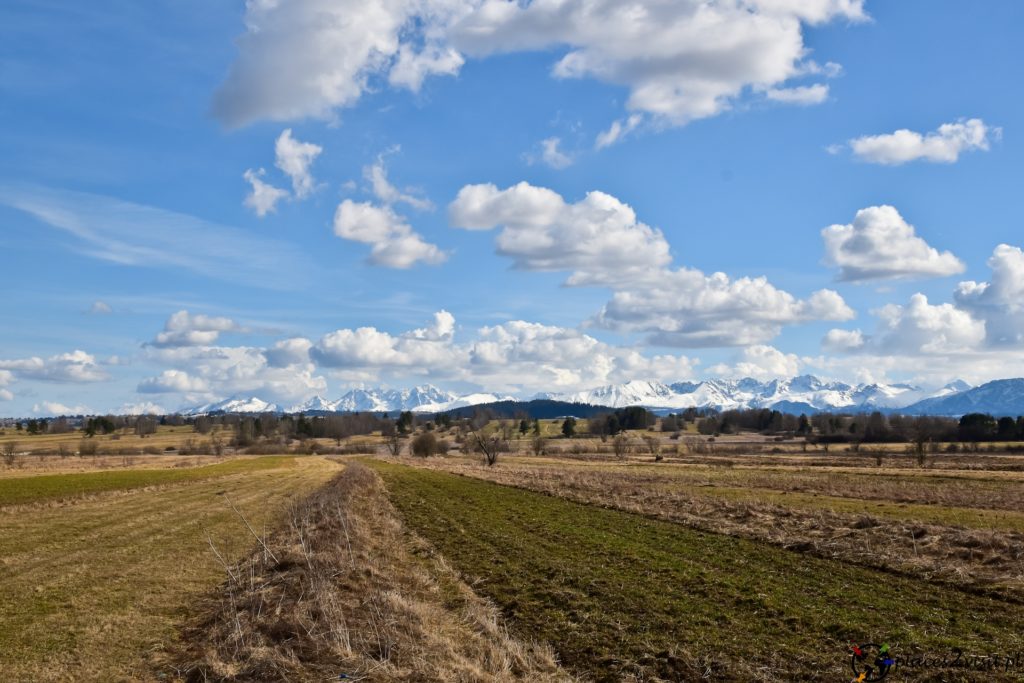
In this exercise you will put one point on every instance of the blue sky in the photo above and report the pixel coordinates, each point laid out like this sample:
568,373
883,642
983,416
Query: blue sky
479,260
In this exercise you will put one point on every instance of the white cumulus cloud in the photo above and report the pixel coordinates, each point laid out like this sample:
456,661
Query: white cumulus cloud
515,356
263,197
1000,303
173,381
760,362
74,367
687,308
377,175
53,408
598,238
141,408
295,158
679,59
917,328
394,243
411,67
944,145
207,373
552,155
288,352
879,244
843,341
185,329
600,241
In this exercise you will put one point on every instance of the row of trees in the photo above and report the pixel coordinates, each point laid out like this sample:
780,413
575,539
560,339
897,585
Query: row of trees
874,427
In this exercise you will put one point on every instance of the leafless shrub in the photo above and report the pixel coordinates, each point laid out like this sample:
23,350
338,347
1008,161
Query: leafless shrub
88,447
424,445
394,444
621,446
10,453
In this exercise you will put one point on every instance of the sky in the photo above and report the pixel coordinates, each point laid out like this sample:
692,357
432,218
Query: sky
289,198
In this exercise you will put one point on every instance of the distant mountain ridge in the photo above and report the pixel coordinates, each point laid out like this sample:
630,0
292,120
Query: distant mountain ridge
999,397
801,394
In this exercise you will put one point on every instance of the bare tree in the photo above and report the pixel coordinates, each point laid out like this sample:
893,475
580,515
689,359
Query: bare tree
145,426
10,453
217,445
203,425
394,444
490,446
539,445
653,444
620,444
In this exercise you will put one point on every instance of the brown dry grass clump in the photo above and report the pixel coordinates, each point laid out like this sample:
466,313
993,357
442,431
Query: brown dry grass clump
342,588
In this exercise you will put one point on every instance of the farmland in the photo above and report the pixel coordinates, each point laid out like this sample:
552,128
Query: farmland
623,596
93,588
725,560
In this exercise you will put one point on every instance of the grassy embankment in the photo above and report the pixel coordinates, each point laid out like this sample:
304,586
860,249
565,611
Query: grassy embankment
621,595
342,588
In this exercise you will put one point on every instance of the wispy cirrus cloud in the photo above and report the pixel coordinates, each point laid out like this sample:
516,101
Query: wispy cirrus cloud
127,233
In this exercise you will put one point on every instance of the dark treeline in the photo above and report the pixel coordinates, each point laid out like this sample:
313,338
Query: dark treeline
539,409
269,426
873,427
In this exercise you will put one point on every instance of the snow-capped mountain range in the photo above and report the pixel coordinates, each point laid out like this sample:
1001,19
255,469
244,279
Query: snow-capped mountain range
805,393
422,399
802,394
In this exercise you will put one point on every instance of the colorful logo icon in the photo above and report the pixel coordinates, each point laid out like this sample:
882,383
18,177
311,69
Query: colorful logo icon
870,662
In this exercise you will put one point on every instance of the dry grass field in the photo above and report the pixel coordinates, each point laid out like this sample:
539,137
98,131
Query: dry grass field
93,588
166,437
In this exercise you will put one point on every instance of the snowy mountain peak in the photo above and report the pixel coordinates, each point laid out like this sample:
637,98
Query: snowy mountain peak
632,393
316,404
386,400
252,404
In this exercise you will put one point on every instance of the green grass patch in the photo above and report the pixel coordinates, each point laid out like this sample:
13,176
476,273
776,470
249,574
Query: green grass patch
618,594
48,487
